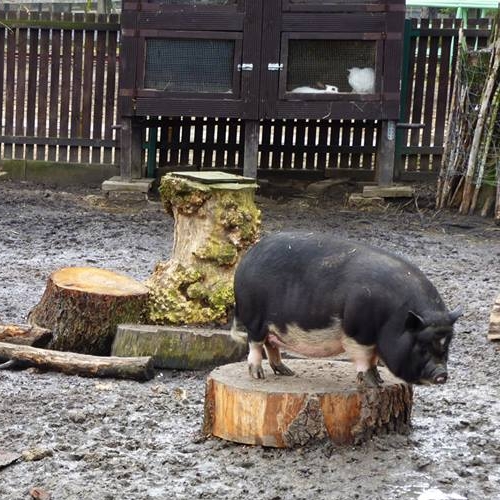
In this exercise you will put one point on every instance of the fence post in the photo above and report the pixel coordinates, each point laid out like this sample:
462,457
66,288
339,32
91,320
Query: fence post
385,153
131,133
251,148
405,69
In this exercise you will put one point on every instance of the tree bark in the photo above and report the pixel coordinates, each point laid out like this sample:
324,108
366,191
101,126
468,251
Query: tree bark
321,401
140,368
82,306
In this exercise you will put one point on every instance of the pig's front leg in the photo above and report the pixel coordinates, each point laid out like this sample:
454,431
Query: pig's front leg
255,359
365,360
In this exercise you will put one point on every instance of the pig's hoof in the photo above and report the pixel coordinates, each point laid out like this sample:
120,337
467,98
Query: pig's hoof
256,371
369,379
281,369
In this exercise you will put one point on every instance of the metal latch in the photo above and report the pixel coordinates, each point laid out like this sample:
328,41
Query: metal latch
274,67
245,67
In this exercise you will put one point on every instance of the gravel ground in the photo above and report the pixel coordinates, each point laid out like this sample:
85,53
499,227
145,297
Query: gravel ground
106,439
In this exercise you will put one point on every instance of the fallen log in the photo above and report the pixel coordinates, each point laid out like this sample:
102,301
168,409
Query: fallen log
25,335
137,368
82,306
321,401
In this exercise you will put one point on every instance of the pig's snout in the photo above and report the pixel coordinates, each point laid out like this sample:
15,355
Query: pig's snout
440,378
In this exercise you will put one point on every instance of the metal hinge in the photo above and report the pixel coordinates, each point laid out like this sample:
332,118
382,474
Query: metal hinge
245,67
274,67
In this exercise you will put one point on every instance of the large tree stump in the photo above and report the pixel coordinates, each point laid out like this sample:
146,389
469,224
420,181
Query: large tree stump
494,329
82,306
321,401
215,222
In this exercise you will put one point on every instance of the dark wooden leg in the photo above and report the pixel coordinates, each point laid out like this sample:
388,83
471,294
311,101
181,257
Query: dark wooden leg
251,148
131,149
385,153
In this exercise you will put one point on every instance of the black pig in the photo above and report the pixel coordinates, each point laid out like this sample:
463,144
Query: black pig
318,296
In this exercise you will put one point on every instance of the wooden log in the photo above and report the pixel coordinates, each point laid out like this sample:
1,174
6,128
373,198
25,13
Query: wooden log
137,368
25,335
321,401
178,347
82,306
494,329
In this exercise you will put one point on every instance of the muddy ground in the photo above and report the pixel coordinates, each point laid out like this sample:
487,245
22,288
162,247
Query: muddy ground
106,439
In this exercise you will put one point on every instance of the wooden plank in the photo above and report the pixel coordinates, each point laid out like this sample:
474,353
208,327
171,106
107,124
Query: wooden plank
357,139
370,133
173,139
43,86
198,142
233,139
321,144
299,143
186,127
76,94
98,101
163,144
276,142
67,37
429,102
209,143
220,144
443,92
312,128
22,39
2,74
10,86
288,144
32,87
87,89
55,69
418,93
334,155
111,92
265,141
345,141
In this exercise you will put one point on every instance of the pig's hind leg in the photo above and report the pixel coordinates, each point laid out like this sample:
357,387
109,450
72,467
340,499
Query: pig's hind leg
274,358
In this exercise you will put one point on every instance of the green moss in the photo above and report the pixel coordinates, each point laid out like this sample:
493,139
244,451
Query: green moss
223,253
184,298
188,197
238,215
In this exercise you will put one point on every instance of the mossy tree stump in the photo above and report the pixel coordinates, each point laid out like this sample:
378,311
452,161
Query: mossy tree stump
82,307
321,401
216,220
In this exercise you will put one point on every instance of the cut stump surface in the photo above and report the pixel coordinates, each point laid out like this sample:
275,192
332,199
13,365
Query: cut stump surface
82,306
321,401
494,329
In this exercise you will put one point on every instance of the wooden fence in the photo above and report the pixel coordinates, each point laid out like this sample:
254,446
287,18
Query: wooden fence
59,86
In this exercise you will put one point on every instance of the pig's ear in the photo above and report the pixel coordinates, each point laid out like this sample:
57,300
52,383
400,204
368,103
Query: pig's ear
414,322
455,314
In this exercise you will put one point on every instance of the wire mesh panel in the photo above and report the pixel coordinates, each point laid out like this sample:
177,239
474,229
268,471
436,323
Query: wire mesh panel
189,65
197,2
343,66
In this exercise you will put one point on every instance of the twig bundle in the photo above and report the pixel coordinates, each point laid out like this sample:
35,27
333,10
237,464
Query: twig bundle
470,169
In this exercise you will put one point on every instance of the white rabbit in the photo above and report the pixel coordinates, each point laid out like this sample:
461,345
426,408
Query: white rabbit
362,80
329,89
